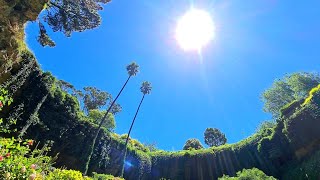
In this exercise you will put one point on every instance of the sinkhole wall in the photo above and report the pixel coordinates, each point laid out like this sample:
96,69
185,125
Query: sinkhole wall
60,120
53,115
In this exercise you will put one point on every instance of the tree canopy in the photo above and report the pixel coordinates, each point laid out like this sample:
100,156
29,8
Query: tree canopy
292,87
70,16
192,144
96,115
132,69
214,137
146,87
94,98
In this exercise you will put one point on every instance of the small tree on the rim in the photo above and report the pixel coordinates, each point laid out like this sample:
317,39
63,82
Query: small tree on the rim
192,144
214,137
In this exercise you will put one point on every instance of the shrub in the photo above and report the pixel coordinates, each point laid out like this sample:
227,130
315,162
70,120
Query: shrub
249,174
5,100
17,161
63,174
105,177
192,144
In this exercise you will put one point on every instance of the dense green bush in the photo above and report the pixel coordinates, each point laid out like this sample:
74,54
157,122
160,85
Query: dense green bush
5,100
249,174
63,174
192,144
105,177
18,161
292,87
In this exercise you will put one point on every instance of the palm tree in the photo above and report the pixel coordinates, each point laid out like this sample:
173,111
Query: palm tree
132,70
145,89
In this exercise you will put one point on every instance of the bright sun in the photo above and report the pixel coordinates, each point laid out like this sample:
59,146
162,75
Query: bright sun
194,30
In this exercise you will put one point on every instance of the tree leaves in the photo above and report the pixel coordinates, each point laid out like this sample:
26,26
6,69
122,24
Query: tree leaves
192,144
43,37
94,98
292,87
214,137
69,16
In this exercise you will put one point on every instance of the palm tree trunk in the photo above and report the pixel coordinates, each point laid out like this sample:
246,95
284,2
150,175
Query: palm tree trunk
127,140
102,121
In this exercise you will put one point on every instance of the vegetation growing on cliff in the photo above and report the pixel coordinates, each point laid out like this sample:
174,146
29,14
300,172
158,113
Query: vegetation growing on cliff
36,107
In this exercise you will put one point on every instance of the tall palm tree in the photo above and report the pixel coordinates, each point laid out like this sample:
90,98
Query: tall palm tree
132,70
145,89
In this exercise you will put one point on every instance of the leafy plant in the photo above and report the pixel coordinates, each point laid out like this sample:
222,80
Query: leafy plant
97,176
292,87
96,115
18,161
63,174
5,100
249,174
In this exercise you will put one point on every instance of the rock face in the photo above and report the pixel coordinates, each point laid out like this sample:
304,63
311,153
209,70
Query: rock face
14,14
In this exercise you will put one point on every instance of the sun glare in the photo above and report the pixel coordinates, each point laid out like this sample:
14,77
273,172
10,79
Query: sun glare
194,30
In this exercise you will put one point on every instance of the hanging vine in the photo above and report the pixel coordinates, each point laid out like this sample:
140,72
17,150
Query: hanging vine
18,79
34,117
14,116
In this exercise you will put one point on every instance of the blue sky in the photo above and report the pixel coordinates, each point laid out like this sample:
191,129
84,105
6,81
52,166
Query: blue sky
256,42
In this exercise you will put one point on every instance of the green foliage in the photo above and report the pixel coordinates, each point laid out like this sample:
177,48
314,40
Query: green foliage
151,146
137,145
65,86
266,126
62,121
18,161
289,108
132,69
97,176
96,115
64,174
71,16
249,174
94,98
146,87
302,83
276,97
43,37
301,127
292,87
133,144
313,92
5,100
192,144
214,137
